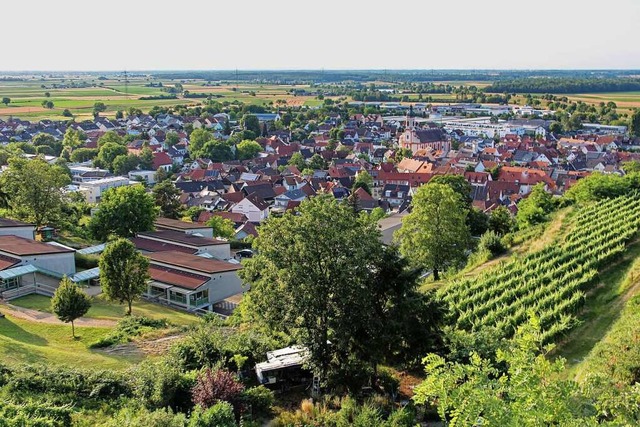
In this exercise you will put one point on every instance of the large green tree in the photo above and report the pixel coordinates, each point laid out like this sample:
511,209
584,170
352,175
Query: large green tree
108,153
123,211
197,139
435,235
36,189
251,123
364,181
124,272
69,303
167,199
222,227
323,277
247,149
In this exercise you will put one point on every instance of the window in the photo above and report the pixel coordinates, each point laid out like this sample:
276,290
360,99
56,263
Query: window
177,297
7,284
199,298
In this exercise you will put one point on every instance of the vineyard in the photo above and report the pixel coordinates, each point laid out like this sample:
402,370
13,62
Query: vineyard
552,283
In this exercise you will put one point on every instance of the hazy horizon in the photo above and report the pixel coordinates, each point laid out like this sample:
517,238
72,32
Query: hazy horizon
72,36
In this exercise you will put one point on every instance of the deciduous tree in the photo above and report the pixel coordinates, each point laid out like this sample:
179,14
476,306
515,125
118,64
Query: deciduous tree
247,149
167,199
435,235
36,189
124,272
69,303
123,211
222,227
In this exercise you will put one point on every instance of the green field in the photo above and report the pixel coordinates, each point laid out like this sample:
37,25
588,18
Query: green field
23,341
27,96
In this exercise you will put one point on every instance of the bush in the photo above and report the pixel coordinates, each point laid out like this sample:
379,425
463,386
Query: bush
492,242
388,381
34,414
219,415
129,327
259,400
58,380
162,383
216,386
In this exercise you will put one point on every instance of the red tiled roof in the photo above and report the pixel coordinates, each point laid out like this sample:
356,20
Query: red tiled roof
193,262
20,246
7,261
149,245
175,277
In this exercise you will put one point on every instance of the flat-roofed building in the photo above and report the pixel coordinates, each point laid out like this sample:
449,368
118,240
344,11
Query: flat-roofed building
190,281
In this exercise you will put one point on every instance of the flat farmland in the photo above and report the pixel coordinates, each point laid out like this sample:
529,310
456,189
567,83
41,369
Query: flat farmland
28,95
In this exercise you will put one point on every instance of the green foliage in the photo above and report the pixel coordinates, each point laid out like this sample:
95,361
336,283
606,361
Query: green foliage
529,390
123,164
477,221
109,151
112,137
598,186
36,189
124,272
535,208
251,123
435,235
166,197
124,211
501,221
162,383
215,150
219,415
80,155
222,227
551,282
363,180
458,183
492,242
247,149
316,162
34,415
298,161
69,302
142,417
129,328
259,399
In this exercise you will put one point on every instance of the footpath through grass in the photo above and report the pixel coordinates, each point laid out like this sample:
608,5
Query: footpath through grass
103,309
23,341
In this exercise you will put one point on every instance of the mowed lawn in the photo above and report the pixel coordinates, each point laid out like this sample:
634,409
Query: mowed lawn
23,341
103,309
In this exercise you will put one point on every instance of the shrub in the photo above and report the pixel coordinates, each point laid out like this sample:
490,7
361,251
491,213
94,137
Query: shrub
492,242
218,415
129,327
388,381
162,383
259,399
216,386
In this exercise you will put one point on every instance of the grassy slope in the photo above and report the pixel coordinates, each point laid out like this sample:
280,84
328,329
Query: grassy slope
101,309
22,341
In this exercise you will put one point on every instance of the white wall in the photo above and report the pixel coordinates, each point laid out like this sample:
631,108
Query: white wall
26,232
63,263
224,285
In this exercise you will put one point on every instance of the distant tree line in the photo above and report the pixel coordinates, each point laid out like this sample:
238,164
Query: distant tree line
564,85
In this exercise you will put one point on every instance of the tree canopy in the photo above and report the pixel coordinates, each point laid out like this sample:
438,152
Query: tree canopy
124,272
167,199
36,189
435,234
69,303
123,211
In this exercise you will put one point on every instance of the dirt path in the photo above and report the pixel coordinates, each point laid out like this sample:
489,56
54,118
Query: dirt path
42,317
152,347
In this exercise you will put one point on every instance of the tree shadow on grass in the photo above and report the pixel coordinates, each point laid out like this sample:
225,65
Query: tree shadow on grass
13,331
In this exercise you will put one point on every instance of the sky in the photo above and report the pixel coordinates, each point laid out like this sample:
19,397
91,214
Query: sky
64,35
